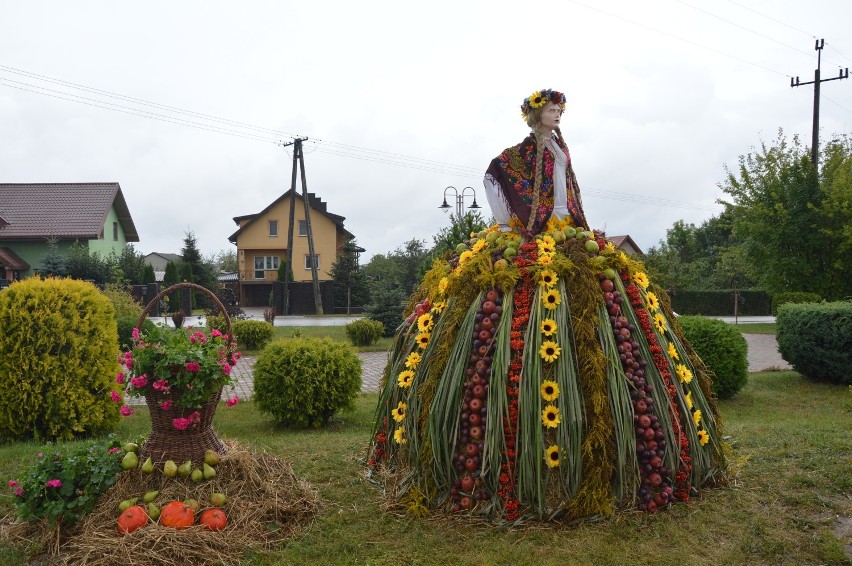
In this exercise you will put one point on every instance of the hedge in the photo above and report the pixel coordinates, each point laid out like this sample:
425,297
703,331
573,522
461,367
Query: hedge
753,302
816,339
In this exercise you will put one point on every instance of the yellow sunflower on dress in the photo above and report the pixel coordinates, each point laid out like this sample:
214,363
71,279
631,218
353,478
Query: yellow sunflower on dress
548,278
465,256
423,339
443,284
673,352
696,416
405,378
413,360
640,279
549,390
439,307
653,301
703,437
545,259
550,416
398,413
688,399
548,327
399,435
683,373
551,299
660,322
425,322
551,456
549,351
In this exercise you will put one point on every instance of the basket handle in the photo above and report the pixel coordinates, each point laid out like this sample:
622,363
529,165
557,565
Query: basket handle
187,285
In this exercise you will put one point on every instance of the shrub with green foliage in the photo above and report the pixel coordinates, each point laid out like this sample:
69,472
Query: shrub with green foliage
122,301
64,484
304,381
797,298
252,334
58,360
722,349
365,331
126,324
816,339
387,308
217,321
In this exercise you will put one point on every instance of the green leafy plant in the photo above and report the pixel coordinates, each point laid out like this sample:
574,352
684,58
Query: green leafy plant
122,301
304,381
365,331
126,324
722,349
817,340
184,368
58,352
64,484
217,322
793,297
253,334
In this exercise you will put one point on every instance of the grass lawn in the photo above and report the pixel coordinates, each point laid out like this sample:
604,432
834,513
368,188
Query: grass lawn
793,477
755,327
337,333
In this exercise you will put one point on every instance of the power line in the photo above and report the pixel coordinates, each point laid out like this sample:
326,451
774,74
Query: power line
812,36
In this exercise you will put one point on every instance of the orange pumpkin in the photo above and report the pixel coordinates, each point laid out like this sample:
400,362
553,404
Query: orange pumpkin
177,514
213,519
132,518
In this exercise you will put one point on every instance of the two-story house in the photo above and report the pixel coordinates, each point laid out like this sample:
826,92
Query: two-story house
261,242
93,214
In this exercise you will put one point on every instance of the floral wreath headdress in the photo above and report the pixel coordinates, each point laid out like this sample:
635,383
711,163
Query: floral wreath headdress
541,97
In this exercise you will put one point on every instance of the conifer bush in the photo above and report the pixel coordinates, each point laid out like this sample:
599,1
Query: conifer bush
252,334
722,349
816,339
364,331
303,382
58,360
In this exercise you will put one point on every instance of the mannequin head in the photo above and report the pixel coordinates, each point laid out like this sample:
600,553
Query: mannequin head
539,102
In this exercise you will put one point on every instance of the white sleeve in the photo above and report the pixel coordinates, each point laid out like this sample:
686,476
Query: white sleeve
498,206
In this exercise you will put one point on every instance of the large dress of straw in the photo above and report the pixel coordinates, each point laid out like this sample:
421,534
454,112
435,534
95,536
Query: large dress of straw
510,465
267,504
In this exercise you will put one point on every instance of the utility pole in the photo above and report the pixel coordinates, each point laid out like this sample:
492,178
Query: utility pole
816,82
299,161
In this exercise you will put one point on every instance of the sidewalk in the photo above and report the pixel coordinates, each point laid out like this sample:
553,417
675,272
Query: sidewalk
256,313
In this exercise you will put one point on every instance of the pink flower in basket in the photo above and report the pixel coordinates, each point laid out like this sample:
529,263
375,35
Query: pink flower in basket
161,385
232,401
226,368
166,405
215,333
139,382
180,423
193,367
115,396
53,483
125,411
119,378
135,333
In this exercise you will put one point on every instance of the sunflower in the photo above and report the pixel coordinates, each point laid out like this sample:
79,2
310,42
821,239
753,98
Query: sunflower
551,299
550,416
551,456
673,352
549,390
545,247
688,399
439,307
545,259
443,284
465,256
683,373
399,435
696,416
425,322
477,247
609,247
640,279
548,278
653,301
423,339
549,350
413,360
398,414
548,327
660,322
703,437
405,378
537,100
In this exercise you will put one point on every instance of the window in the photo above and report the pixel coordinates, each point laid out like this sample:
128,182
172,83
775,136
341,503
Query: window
308,261
273,228
264,263
115,231
303,228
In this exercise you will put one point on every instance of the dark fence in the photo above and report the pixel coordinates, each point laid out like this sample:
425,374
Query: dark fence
721,302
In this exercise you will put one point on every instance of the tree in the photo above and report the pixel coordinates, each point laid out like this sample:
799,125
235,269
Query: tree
81,264
225,260
53,263
148,276
170,277
132,264
792,222
458,231
348,277
200,271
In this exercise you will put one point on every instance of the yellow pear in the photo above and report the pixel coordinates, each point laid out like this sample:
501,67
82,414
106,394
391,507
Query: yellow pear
130,461
185,469
127,504
150,496
197,475
148,466
170,469
211,457
209,472
153,512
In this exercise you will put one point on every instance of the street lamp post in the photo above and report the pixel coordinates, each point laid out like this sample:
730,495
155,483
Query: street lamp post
459,200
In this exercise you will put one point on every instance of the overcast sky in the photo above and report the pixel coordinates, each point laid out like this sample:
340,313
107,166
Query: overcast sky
401,100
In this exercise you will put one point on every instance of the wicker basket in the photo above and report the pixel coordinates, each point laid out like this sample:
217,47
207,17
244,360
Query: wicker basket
165,442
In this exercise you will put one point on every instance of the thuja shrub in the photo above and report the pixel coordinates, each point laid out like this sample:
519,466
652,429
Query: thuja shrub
303,382
364,331
58,360
816,339
252,334
794,297
722,349
122,301
217,322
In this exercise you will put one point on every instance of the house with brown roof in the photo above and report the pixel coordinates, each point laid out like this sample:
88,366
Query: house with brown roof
261,241
93,214
627,244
